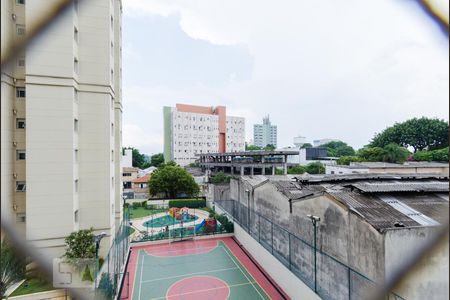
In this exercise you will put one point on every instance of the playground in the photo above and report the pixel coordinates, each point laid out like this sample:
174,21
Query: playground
173,223
197,269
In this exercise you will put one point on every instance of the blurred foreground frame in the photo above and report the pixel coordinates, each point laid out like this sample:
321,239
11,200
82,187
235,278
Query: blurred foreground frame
436,9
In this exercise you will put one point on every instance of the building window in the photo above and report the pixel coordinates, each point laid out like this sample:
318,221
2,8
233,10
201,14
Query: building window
112,155
21,186
20,92
20,29
20,2
75,216
21,218
75,125
20,154
20,123
75,34
75,185
75,65
21,62
112,182
126,174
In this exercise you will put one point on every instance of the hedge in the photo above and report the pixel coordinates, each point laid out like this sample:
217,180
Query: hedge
187,203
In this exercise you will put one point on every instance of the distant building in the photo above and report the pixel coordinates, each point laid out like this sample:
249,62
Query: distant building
127,158
389,168
140,187
306,156
147,171
320,142
191,130
265,134
299,141
128,175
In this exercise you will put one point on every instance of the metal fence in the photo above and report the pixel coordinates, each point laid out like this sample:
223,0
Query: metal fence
111,272
176,230
324,274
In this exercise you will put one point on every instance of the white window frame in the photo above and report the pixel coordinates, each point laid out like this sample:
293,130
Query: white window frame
19,91
20,120
19,153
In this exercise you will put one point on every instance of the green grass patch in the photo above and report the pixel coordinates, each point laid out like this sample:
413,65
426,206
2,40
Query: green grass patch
131,230
140,212
31,286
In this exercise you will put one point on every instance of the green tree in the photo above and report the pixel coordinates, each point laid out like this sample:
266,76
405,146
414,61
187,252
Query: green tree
12,266
338,149
296,170
371,153
252,147
171,181
419,133
315,168
269,147
220,177
80,248
157,159
346,160
306,145
440,155
393,153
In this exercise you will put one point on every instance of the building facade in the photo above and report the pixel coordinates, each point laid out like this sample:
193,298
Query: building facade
191,130
265,134
61,114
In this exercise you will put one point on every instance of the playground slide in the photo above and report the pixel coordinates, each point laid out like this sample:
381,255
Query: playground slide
197,227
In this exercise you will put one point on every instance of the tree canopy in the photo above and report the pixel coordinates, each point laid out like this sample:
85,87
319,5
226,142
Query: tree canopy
440,155
315,168
306,145
252,147
172,180
296,170
220,177
338,149
392,153
157,159
419,133
269,147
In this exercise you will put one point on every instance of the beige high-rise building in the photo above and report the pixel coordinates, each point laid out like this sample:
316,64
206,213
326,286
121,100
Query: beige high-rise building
61,114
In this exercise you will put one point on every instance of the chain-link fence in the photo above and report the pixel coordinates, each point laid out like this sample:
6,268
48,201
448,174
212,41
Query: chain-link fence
162,226
111,272
324,274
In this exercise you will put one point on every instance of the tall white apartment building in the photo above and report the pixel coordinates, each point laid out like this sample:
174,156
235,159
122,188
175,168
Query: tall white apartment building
190,130
61,114
265,134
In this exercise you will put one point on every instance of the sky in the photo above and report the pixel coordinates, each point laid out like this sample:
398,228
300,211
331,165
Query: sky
321,69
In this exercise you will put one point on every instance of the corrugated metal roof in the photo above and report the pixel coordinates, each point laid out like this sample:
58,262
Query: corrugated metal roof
404,186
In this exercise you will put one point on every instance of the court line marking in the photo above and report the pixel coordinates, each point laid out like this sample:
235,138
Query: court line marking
211,248
158,246
243,272
140,279
189,274
205,290
225,285
135,276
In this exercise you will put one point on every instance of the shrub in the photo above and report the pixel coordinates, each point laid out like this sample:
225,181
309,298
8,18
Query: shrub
126,205
144,204
151,206
136,205
106,286
187,203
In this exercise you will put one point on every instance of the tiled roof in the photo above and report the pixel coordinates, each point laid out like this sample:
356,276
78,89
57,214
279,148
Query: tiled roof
143,179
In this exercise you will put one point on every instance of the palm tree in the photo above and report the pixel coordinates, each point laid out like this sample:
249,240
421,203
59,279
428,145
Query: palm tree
12,266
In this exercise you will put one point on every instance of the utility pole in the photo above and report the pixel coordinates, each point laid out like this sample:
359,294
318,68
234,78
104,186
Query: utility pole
315,220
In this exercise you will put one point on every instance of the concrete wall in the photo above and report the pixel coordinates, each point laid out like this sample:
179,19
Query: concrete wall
342,238
290,283
49,295
430,278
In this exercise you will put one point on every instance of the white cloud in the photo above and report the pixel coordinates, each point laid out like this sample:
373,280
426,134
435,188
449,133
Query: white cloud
135,136
341,69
